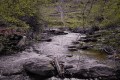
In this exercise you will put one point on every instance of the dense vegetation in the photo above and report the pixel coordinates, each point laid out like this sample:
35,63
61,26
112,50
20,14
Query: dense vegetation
21,16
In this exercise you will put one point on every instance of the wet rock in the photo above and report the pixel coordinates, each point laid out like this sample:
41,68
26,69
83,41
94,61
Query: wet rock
36,50
49,56
12,73
76,42
72,49
60,33
84,47
95,28
74,73
82,74
104,73
96,35
68,66
70,55
64,28
15,77
100,71
88,39
61,62
12,69
72,46
47,40
85,30
39,68
78,30
57,32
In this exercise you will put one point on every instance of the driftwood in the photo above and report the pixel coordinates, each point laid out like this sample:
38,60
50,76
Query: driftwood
59,67
22,41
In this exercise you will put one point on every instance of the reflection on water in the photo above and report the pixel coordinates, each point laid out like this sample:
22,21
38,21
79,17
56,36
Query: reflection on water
96,54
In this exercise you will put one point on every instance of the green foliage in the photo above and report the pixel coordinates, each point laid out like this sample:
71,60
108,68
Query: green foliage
108,11
19,14
12,10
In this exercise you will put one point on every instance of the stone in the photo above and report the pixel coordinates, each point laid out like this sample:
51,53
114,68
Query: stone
70,55
57,32
72,46
74,73
40,68
47,40
85,47
72,49
88,39
99,71
76,42
105,73
15,77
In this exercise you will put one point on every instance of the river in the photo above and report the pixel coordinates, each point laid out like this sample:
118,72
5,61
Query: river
58,47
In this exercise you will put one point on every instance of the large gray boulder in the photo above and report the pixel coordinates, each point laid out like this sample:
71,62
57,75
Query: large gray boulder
99,71
102,72
40,68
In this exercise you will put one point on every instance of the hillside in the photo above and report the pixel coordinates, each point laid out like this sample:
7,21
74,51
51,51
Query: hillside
82,13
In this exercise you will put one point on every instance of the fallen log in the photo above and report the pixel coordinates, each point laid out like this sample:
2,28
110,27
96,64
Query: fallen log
59,67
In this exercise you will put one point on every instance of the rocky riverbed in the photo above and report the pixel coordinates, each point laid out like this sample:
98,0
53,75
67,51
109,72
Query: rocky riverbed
35,63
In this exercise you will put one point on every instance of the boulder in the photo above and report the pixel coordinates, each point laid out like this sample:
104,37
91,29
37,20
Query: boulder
72,49
105,73
15,77
100,71
39,68
78,30
76,42
74,73
72,46
57,32
88,39
47,40
96,35
69,55
84,47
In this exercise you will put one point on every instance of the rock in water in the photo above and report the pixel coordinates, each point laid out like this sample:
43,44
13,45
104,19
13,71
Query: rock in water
47,40
76,42
100,71
40,68
72,49
105,73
